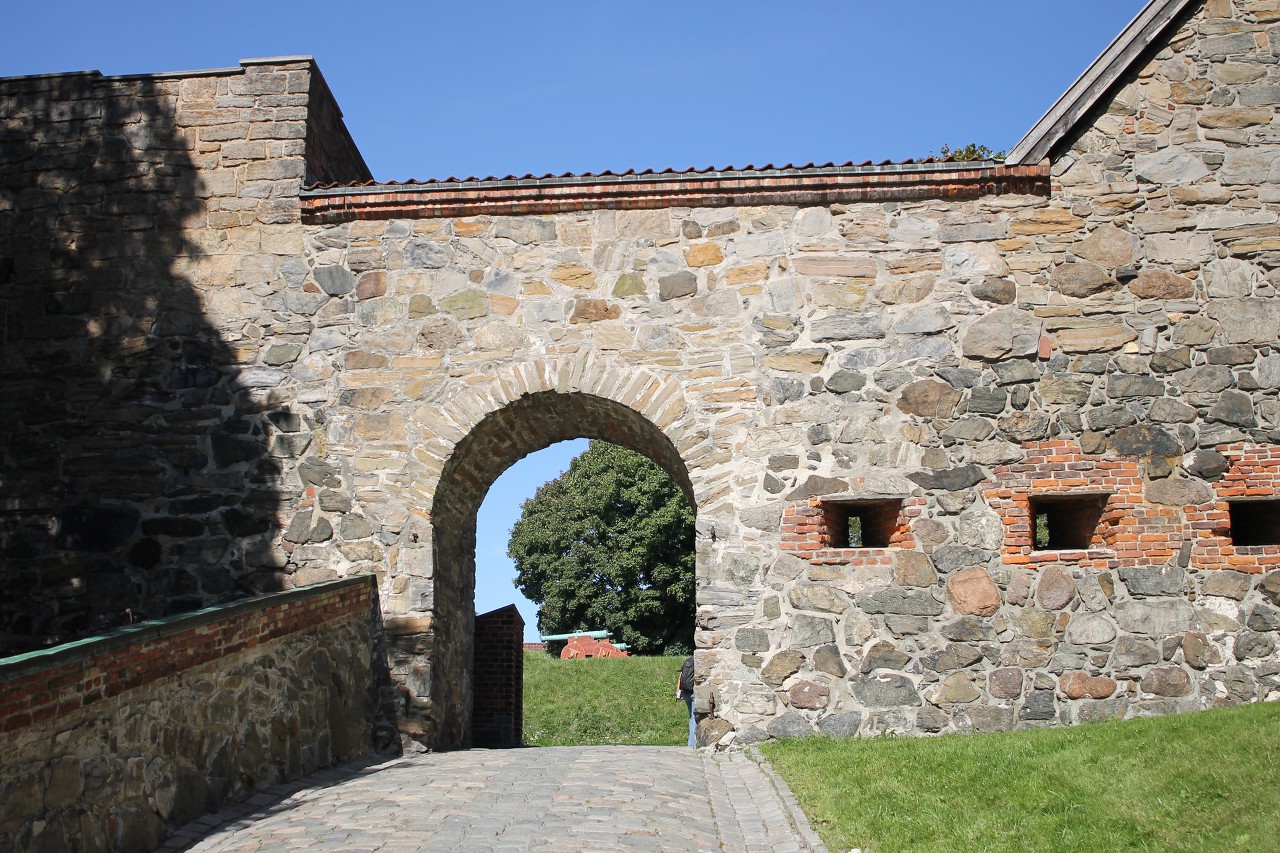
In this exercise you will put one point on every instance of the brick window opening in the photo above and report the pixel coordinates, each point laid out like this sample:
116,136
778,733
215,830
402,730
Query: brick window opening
861,524
1066,522
1254,522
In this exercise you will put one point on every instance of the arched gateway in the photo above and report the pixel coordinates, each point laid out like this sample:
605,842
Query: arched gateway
502,421
973,445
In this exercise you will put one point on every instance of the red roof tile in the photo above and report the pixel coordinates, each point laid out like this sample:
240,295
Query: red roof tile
768,167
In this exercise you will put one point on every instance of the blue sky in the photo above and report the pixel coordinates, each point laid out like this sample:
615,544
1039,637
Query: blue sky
434,89
495,573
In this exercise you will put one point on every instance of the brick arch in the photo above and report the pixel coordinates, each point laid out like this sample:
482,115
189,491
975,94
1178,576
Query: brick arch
531,423
479,434
659,400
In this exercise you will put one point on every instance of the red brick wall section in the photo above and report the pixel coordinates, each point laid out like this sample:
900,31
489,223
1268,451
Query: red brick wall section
1131,531
1254,473
40,694
497,712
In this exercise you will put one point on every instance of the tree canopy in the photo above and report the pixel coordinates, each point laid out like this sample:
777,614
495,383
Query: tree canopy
609,545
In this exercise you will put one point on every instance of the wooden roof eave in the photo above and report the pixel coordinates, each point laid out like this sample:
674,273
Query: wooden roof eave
1083,95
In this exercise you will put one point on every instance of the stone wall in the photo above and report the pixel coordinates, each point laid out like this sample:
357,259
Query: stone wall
110,742
148,230
1112,340
943,356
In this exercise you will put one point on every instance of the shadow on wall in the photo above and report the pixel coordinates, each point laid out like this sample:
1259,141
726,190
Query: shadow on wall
134,474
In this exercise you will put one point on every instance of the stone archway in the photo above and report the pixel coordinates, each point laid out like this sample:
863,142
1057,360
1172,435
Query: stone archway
510,420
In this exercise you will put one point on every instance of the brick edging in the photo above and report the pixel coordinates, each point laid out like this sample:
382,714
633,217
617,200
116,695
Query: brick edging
518,197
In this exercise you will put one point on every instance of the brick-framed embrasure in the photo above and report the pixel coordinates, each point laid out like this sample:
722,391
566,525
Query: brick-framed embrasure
1254,473
809,528
1130,531
877,523
1072,521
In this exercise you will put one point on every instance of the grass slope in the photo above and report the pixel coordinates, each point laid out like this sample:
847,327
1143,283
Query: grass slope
602,701
1204,781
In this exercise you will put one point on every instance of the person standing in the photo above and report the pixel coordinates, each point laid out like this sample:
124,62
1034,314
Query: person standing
684,690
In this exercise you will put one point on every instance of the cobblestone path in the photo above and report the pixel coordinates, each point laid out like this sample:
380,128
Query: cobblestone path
547,800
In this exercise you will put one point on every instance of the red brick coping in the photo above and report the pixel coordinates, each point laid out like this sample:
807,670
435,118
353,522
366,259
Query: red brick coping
40,685
560,194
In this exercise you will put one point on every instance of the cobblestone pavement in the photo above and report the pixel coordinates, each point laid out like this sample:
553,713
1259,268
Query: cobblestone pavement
546,800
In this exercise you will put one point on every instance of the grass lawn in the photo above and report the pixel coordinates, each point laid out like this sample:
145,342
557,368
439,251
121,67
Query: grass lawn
1204,781
603,701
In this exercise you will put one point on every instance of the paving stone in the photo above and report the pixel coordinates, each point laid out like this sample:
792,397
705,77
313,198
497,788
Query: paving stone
554,800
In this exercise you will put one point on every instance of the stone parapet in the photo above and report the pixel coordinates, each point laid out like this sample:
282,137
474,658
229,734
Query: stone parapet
110,741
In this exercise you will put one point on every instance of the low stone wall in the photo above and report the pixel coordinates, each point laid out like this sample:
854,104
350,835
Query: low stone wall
110,741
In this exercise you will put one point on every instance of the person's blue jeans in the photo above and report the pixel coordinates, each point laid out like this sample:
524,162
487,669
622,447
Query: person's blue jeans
688,701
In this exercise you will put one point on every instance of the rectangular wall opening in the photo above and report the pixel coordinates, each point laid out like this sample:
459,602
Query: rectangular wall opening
1066,522
1255,522
861,524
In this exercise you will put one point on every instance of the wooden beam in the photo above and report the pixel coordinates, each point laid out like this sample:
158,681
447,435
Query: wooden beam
1083,95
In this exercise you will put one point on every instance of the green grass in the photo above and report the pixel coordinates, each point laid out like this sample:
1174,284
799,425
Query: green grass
1204,781
603,701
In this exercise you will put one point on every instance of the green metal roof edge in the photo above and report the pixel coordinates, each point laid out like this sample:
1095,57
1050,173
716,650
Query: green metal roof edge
17,666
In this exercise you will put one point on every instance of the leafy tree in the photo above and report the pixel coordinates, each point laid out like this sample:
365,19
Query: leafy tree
972,151
609,545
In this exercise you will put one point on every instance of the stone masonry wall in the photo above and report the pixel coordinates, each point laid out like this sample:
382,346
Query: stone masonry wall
148,231
1116,340
960,357
110,742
